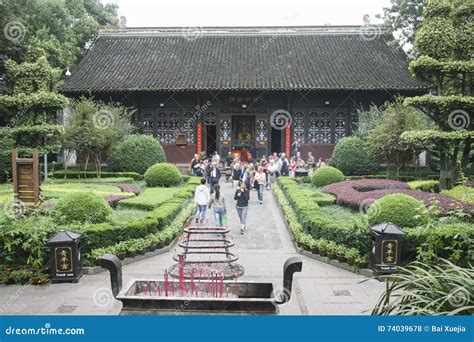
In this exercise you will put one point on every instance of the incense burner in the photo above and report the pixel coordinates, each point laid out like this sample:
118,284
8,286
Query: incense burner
150,297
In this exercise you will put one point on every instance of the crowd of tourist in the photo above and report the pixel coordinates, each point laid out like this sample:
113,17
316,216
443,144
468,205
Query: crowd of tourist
258,174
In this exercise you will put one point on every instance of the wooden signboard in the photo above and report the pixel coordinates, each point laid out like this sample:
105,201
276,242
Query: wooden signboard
26,179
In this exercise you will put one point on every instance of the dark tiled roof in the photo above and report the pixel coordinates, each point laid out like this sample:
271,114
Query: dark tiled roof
310,58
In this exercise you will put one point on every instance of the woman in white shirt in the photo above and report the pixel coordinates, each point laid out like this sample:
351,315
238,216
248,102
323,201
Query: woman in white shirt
259,183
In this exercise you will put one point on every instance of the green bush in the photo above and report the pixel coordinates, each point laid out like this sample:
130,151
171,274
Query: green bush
400,209
451,240
352,157
425,185
326,175
5,166
83,207
133,246
136,153
462,193
335,224
163,174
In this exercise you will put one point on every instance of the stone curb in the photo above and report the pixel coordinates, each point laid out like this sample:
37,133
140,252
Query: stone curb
98,269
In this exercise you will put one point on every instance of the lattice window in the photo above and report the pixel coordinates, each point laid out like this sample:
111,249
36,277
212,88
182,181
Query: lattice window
210,119
262,131
225,131
313,128
325,128
161,127
298,127
148,124
173,128
188,127
339,126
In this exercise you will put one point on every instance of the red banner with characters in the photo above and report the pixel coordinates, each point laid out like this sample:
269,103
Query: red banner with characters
288,140
199,138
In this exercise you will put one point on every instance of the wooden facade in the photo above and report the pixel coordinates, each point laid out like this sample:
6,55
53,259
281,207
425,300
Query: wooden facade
318,120
221,91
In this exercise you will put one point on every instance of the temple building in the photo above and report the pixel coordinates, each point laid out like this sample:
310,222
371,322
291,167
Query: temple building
246,89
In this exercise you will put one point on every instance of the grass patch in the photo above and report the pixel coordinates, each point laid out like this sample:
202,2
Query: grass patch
150,199
51,191
338,213
128,215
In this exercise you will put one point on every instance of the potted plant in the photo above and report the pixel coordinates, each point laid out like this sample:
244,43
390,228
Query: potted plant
322,246
331,249
306,242
362,262
314,246
341,253
351,255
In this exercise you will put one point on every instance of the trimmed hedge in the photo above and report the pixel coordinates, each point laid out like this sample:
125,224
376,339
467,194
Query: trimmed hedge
108,234
400,209
153,240
352,157
136,153
83,207
450,240
353,233
462,193
326,175
92,174
425,185
163,174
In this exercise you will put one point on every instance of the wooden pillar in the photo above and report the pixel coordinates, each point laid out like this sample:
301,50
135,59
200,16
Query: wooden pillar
288,128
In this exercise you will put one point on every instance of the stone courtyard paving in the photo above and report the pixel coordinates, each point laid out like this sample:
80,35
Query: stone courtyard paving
320,289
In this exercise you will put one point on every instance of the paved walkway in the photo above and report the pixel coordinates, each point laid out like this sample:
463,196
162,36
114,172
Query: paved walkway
320,289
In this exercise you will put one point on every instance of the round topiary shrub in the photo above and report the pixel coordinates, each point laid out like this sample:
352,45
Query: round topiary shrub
136,153
83,207
352,157
403,210
163,174
326,175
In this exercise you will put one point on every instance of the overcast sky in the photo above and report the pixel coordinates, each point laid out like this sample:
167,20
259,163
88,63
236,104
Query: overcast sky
248,12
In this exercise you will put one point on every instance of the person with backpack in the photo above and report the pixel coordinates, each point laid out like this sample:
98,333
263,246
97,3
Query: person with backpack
218,201
201,198
242,196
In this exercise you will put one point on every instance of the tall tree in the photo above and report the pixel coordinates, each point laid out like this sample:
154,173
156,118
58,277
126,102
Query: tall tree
34,99
444,43
404,18
64,29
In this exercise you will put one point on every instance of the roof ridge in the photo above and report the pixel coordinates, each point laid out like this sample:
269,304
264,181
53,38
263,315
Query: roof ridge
237,30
